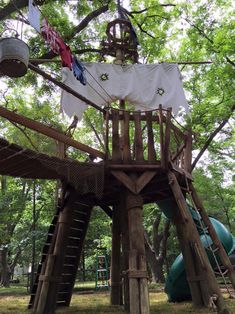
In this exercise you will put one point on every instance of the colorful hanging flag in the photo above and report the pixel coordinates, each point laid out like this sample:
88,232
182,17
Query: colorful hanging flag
78,71
57,44
34,16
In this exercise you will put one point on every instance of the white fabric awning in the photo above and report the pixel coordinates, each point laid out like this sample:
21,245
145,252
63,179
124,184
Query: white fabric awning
146,86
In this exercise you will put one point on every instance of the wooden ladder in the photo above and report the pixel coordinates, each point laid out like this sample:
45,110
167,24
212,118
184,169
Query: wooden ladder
76,227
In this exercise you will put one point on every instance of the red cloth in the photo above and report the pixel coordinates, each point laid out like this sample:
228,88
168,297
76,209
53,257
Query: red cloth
57,44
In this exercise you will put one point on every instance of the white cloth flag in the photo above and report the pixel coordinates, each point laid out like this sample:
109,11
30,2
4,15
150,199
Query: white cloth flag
34,16
144,86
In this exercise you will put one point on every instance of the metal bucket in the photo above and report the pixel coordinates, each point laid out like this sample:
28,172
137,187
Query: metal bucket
14,57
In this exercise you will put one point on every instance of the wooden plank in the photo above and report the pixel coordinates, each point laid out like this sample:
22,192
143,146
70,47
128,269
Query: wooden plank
188,151
42,301
115,296
156,120
133,285
107,152
88,211
181,171
48,131
167,138
116,153
126,137
221,252
125,179
108,211
177,130
198,263
162,157
138,292
151,149
138,140
144,296
178,152
125,249
133,167
144,179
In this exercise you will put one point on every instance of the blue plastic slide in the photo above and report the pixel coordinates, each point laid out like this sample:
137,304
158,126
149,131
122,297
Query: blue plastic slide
177,287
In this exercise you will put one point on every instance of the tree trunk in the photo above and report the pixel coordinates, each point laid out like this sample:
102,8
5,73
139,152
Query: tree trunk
5,268
156,252
155,266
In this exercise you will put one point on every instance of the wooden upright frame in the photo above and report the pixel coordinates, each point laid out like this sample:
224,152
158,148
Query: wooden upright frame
150,164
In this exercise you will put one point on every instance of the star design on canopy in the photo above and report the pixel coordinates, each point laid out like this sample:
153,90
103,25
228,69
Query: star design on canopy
104,77
160,91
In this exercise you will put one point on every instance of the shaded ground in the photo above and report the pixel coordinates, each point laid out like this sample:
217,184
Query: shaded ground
14,300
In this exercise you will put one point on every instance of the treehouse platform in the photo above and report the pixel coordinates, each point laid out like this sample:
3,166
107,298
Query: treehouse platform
146,159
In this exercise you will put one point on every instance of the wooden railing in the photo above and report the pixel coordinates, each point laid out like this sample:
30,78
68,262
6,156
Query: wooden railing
146,137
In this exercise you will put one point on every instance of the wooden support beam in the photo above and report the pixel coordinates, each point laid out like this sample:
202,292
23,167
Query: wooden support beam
116,152
167,139
188,151
134,185
49,288
48,131
143,180
162,149
107,152
115,295
178,152
181,171
126,137
125,250
108,211
197,263
138,140
135,166
151,149
221,252
139,301
63,86
125,180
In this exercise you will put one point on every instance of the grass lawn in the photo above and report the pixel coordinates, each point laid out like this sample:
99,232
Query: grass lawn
15,299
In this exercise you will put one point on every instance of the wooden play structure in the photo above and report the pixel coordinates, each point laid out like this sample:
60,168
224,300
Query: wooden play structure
147,158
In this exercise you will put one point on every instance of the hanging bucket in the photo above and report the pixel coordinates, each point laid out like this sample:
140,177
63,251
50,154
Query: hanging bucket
14,57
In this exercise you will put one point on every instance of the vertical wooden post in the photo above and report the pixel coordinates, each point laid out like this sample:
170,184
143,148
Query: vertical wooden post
139,303
125,251
116,153
221,252
107,153
201,277
167,138
115,296
161,134
138,140
51,278
126,137
188,151
151,149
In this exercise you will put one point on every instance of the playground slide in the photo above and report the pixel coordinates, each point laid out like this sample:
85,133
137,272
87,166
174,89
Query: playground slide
177,287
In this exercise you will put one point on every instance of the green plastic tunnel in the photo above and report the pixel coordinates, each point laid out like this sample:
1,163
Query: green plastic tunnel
177,287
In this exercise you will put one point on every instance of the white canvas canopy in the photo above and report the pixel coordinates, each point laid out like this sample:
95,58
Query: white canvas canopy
143,85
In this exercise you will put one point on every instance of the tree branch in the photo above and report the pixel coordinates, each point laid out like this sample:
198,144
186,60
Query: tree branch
25,134
94,130
146,9
77,29
209,140
144,31
15,5
201,31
